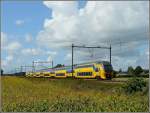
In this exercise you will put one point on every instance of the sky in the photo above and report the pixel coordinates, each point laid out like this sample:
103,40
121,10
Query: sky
45,30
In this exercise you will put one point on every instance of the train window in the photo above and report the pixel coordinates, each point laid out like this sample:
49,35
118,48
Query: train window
96,69
108,68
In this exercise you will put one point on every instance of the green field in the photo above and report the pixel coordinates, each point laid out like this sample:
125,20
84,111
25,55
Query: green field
45,94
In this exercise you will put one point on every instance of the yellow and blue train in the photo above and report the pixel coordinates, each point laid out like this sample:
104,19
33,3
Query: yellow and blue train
99,70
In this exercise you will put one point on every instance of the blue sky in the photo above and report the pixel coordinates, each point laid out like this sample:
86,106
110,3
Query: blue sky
38,29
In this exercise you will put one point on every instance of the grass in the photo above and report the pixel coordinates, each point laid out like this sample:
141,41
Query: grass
44,94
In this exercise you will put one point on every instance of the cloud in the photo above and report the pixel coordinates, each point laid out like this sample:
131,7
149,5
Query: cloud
8,45
13,46
62,8
51,53
19,22
31,51
7,62
98,23
9,58
37,51
4,40
28,38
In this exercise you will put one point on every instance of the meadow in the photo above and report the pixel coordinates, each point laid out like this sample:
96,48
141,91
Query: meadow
22,94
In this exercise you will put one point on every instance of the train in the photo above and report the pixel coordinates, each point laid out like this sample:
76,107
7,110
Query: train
99,70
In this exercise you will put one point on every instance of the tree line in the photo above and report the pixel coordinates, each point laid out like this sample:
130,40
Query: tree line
137,71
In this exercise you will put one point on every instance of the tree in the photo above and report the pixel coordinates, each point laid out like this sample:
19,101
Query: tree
146,71
114,73
2,71
130,70
138,70
59,65
120,70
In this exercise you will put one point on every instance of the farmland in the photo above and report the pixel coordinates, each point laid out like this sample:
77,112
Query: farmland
45,94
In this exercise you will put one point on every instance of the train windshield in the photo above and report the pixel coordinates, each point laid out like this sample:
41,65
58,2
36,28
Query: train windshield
108,67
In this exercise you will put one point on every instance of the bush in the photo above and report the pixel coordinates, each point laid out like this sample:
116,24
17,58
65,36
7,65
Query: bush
134,85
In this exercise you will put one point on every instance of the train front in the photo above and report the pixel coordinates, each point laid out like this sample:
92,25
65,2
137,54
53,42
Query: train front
108,70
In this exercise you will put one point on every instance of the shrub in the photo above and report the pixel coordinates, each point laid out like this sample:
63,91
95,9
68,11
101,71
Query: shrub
134,85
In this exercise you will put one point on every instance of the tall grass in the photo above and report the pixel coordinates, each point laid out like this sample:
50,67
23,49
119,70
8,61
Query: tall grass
44,94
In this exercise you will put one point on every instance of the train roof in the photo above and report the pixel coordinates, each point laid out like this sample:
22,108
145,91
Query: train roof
88,64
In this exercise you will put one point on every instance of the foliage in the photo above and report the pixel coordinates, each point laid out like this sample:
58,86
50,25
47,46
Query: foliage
146,71
130,70
2,71
134,85
138,70
59,65
120,70
67,95
114,73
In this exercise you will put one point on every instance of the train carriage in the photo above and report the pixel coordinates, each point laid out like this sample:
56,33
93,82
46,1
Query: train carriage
85,71
60,73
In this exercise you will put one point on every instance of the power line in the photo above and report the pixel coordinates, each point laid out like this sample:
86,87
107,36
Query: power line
41,62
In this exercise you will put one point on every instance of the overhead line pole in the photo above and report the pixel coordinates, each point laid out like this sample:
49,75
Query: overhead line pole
72,59
33,68
110,54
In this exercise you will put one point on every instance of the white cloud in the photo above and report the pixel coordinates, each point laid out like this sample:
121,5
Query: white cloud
28,38
3,63
4,40
51,52
19,22
62,8
13,46
8,45
98,23
68,57
7,62
9,58
31,51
